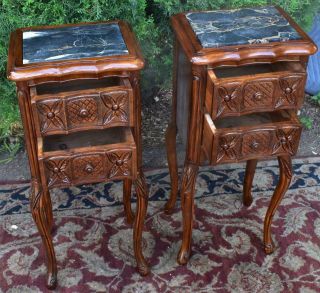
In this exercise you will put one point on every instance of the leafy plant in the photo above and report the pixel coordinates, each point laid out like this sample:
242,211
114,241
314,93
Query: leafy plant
306,121
316,98
10,149
150,20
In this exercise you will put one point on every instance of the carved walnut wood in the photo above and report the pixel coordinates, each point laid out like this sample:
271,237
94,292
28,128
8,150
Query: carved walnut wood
84,110
234,96
77,111
212,84
251,142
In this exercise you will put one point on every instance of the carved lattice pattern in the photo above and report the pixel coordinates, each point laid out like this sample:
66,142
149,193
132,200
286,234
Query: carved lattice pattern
257,94
82,110
87,166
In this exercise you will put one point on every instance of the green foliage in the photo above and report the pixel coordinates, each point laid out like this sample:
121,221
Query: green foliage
150,22
316,98
306,121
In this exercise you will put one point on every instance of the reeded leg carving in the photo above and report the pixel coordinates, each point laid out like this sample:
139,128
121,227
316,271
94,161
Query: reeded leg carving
284,182
127,183
48,208
173,165
39,208
247,185
142,202
187,204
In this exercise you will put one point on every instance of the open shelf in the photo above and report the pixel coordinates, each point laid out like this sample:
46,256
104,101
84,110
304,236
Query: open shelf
79,84
254,119
90,138
224,72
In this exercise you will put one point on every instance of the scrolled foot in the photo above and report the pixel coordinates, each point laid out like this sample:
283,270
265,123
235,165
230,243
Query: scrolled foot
183,257
248,201
169,206
52,281
269,248
143,268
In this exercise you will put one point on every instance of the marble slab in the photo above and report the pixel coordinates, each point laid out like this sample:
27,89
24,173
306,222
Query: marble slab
241,26
73,42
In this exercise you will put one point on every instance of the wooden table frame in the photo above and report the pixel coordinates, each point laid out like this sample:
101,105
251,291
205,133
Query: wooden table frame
194,61
25,76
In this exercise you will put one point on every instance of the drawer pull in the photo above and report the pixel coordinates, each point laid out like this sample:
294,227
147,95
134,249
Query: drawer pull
88,168
56,170
50,115
115,107
254,145
288,90
84,113
119,163
257,96
227,98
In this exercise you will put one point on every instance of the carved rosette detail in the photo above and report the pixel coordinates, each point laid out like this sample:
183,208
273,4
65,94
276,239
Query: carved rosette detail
58,172
286,141
50,115
227,147
117,107
229,99
121,162
289,87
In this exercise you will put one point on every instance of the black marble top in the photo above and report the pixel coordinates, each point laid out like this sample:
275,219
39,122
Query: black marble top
73,42
241,26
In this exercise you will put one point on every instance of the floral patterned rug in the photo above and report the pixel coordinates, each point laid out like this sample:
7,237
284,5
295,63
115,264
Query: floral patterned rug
94,248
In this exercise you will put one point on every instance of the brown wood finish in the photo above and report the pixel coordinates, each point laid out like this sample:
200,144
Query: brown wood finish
73,110
255,88
248,179
171,138
82,121
240,107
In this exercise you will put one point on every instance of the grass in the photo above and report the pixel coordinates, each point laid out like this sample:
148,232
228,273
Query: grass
306,121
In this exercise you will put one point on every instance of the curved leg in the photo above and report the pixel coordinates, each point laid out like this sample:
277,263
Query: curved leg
48,208
171,135
127,183
187,204
249,175
142,202
38,203
173,165
284,182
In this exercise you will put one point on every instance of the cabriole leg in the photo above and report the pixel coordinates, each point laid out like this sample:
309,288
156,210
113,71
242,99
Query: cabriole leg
187,204
142,203
248,179
43,220
284,182
127,183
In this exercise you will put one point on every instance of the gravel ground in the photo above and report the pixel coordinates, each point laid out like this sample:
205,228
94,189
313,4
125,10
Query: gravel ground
155,117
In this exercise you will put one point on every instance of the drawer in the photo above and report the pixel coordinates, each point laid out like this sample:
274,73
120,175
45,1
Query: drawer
235,91
251,136
61,108
87,157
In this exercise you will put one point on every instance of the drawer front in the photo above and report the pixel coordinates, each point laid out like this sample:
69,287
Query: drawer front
90,167
225,97
222,146
84,111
